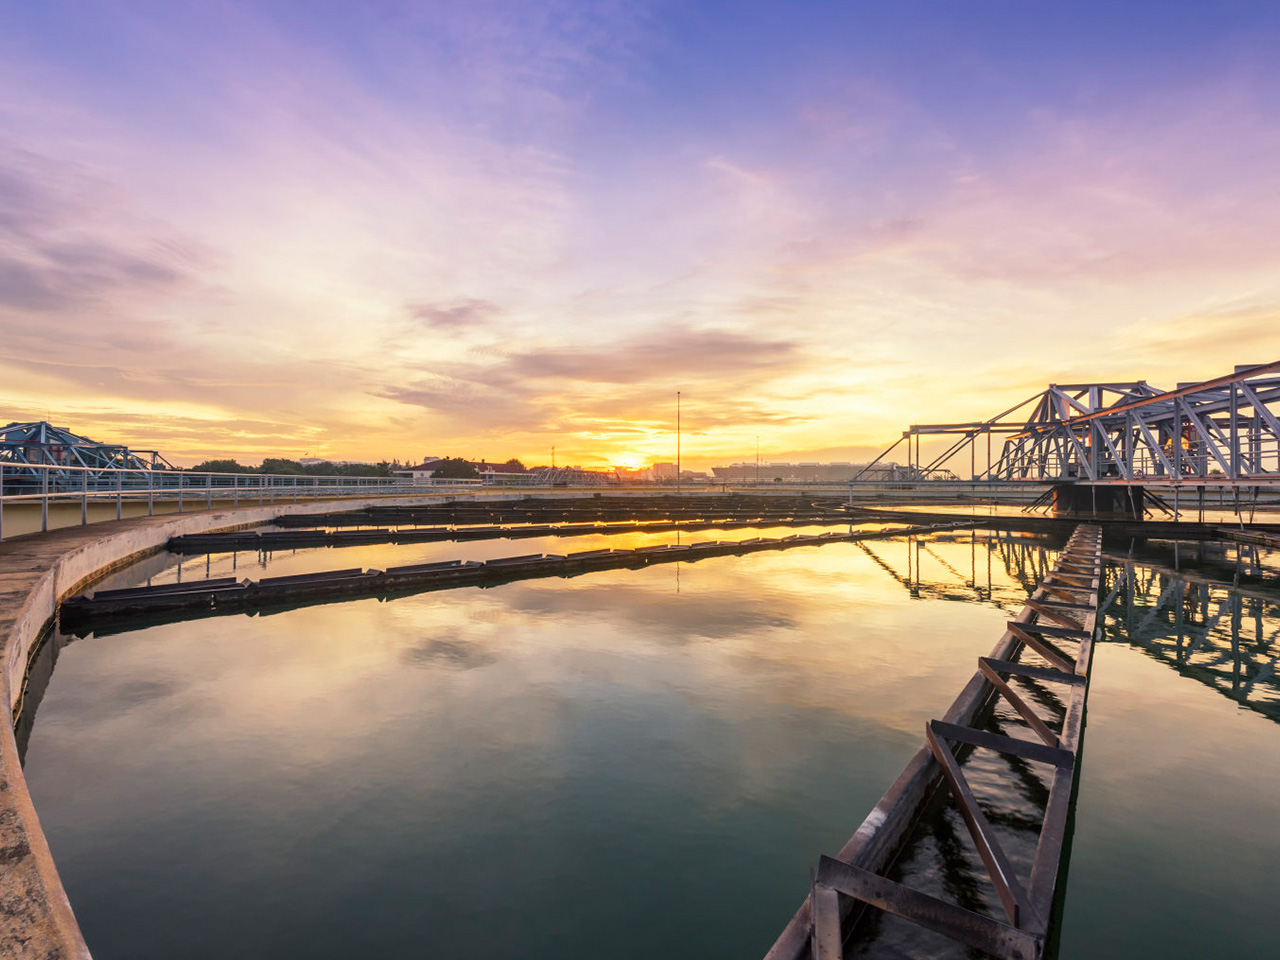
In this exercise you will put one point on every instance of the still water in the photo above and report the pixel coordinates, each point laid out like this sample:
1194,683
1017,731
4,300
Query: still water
635,763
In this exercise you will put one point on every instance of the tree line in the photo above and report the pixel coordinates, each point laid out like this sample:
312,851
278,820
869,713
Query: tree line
455,468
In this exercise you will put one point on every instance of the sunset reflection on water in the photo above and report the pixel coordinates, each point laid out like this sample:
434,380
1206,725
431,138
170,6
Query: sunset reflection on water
677,743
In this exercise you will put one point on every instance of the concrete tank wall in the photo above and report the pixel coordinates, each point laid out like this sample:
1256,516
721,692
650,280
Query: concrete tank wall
37,572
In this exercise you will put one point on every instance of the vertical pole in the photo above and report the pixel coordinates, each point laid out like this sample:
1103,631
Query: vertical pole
84,497
1235,434
151,490
677,443
182,482
235,495
1177,441
1237,606
44,500
1,501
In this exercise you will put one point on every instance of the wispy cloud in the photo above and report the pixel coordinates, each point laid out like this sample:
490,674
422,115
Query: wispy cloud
467,313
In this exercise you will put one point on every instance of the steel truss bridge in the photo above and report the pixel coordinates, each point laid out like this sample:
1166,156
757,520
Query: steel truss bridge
1221,432
41,444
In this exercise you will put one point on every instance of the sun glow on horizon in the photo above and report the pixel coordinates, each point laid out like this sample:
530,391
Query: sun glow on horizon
434,242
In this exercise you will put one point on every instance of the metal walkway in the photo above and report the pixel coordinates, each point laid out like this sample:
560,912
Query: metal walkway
1049,642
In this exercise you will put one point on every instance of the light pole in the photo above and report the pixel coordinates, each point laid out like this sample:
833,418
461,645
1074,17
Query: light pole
757,459
677,443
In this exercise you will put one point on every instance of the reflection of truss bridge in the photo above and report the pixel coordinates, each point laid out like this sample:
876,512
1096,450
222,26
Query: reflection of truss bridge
1219,633
1224,431
1218,623
925,572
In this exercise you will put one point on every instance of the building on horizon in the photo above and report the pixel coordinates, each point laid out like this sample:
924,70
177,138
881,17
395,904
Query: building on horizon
419,471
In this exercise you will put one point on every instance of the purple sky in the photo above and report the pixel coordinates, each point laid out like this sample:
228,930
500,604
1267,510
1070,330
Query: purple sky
373,229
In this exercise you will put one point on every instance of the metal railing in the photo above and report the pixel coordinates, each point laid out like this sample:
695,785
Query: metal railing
45,485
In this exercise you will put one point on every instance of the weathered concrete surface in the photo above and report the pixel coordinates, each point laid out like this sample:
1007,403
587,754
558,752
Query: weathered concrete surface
36,573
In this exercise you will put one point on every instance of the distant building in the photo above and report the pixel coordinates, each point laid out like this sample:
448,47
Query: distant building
628,475
664,471
489,471
421,471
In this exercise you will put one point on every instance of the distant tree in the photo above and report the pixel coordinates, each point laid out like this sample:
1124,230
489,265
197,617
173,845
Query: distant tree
221,466
280,465
513,462
454,468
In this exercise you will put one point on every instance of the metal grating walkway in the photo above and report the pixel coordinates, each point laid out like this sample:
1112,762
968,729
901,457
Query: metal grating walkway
1049,642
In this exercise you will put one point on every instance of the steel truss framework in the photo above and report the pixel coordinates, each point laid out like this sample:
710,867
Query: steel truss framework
1224,431
42,444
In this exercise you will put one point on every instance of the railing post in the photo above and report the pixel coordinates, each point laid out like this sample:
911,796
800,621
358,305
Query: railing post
44,500
119,493
182,482
208,500
235,493
151,486
1,501
84,497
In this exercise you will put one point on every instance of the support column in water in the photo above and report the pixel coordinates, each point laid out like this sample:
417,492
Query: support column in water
1086,501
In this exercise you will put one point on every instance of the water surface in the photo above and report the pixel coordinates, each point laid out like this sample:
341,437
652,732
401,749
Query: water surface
646,760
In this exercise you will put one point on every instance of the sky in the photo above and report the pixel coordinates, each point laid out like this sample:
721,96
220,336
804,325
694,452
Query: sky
385,229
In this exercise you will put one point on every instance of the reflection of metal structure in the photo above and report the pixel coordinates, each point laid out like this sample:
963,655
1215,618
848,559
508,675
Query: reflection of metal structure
1207,629
1224,431
1211,610
1025,559
1049,642
564,477
42,444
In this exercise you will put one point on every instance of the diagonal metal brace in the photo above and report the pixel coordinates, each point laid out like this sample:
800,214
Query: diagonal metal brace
1012,896
972,929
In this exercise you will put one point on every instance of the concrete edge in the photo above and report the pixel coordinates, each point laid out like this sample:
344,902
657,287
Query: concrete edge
36,918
